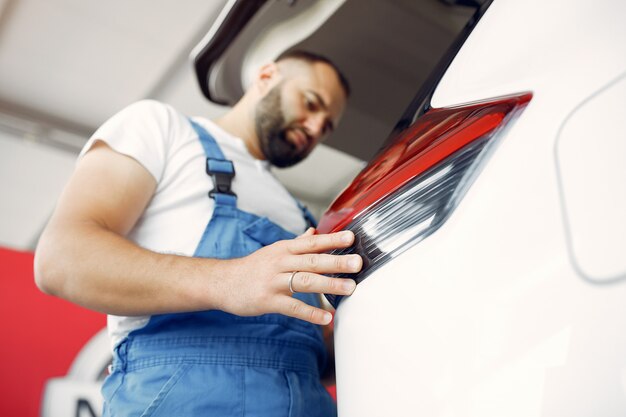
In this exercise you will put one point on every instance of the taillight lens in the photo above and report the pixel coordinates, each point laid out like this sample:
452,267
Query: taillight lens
412,186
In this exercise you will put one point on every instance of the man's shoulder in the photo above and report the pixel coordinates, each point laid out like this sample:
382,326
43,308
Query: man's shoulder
153,118
151,108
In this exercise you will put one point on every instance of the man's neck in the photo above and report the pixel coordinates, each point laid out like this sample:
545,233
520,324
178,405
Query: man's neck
240,122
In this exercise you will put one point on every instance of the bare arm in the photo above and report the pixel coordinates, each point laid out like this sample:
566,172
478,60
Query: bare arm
84,257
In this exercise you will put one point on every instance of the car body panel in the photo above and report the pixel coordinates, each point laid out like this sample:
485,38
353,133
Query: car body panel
489,316
589,155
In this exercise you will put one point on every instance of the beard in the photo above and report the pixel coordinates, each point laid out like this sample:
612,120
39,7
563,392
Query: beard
271,129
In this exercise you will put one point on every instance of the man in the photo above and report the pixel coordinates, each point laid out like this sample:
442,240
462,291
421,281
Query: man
212,303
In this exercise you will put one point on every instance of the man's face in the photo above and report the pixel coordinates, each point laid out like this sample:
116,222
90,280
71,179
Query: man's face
297,113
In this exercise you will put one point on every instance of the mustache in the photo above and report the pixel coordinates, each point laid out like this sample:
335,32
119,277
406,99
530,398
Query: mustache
308,136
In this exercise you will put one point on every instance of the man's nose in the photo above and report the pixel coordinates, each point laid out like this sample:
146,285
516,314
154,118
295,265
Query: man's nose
315,125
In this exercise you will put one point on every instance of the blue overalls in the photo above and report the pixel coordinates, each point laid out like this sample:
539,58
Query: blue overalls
212,363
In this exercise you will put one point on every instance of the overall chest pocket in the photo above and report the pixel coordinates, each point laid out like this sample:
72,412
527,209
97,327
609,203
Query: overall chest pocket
264,232
233,233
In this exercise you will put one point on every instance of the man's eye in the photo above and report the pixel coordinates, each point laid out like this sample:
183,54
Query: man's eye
328,128
310,105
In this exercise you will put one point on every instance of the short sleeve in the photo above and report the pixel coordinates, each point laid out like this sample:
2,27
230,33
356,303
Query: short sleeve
140,131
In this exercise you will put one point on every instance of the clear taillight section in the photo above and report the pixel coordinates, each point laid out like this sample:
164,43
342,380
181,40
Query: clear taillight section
412,186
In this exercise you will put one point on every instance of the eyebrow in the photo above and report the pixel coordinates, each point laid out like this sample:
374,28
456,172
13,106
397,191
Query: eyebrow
320,100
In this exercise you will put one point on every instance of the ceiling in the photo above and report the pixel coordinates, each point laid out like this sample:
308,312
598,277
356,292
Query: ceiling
76,62
68,65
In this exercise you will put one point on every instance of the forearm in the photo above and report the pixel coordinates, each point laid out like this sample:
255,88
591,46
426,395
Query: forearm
96,268
87,264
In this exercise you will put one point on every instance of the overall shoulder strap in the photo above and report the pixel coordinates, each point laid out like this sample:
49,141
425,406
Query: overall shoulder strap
306,213
220,169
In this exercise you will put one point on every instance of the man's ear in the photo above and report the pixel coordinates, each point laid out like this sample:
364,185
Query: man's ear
268,76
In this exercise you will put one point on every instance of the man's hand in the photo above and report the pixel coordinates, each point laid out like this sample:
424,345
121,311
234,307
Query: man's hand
259,283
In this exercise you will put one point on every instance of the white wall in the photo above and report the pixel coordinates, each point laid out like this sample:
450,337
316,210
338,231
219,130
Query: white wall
32,176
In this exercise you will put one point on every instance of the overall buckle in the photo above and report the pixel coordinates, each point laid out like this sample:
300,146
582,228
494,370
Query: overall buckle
222,172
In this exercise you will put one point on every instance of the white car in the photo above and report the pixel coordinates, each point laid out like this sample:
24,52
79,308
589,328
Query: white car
494,231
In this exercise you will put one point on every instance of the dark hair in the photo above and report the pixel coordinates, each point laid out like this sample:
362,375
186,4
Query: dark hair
311,57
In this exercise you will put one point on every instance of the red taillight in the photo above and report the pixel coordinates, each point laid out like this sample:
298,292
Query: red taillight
432,138
410,189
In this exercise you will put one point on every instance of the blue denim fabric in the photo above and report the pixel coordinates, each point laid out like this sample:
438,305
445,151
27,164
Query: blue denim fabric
212,363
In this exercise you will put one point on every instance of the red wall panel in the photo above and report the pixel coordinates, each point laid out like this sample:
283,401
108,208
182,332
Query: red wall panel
41,335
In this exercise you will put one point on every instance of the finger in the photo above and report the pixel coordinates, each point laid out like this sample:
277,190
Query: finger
309,232
321,243
293,307
323,263
315,283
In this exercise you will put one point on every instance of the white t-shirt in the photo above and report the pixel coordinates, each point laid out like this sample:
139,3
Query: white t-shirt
163,141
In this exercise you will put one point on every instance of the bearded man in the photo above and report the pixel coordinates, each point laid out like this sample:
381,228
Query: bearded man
176,228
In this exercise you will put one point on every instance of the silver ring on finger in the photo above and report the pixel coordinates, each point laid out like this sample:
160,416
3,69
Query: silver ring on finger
293,274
